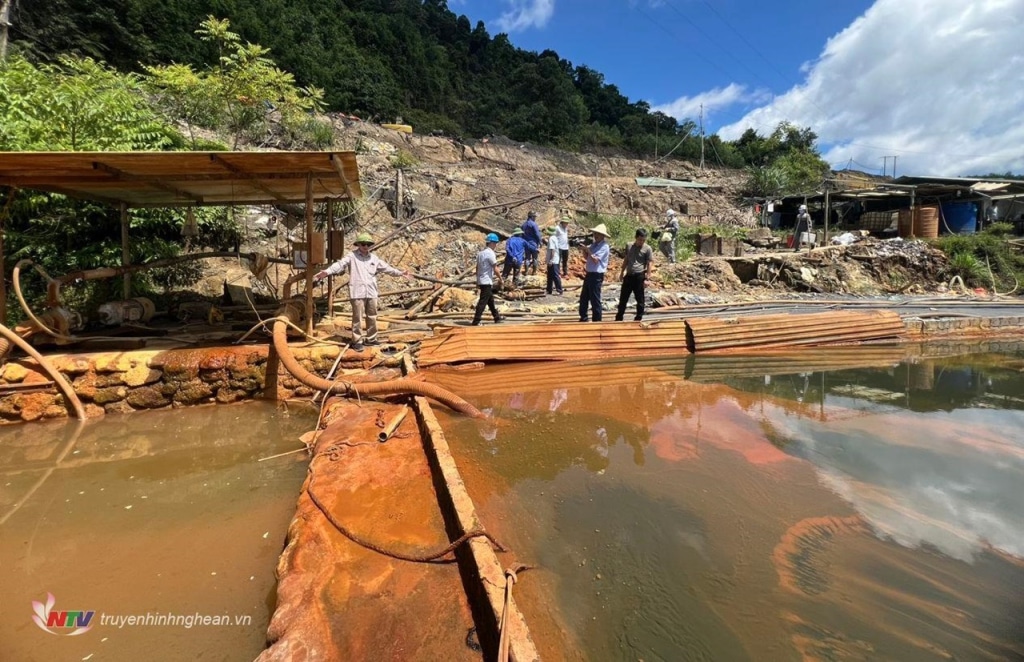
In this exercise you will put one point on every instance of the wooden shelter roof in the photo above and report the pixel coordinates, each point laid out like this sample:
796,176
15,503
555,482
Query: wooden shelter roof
175,179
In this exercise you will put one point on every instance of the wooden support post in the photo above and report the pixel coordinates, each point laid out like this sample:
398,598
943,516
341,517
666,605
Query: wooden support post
827,214
3,267
398,196
309,267
126,254
330,251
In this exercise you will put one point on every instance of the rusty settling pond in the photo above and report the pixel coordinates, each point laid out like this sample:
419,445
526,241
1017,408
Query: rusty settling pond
163,513
873,513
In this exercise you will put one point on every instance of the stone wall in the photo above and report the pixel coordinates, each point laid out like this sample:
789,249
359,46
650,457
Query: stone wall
130,381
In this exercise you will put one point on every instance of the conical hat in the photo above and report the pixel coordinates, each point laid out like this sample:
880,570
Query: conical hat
600,229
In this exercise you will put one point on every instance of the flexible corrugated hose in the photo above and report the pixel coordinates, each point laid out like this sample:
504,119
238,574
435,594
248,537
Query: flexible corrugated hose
391,387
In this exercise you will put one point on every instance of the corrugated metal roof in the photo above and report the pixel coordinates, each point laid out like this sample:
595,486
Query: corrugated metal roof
171,179
661,182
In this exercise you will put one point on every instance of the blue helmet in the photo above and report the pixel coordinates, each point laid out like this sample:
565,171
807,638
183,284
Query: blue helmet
492,238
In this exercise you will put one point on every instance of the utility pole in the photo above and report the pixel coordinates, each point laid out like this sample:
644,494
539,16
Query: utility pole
885,162
894,167
702,137
5,14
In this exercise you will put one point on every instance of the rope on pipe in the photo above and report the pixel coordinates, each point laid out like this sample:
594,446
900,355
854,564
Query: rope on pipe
333,452
391,387
55,375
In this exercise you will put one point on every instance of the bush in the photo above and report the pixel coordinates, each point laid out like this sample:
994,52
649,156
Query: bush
403,159
973,255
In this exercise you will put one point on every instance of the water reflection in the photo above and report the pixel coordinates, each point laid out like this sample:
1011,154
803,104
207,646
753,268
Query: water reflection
814,506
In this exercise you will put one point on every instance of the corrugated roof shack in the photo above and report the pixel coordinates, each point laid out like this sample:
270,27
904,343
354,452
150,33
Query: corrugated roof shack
132,180
958,204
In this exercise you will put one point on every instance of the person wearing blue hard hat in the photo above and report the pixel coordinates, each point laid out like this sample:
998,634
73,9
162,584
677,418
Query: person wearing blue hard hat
486,261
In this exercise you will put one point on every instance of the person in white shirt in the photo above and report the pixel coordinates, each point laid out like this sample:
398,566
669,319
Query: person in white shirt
363,267
486,260
553,257
562,235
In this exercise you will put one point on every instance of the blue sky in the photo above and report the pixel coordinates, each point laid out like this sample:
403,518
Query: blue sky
939,83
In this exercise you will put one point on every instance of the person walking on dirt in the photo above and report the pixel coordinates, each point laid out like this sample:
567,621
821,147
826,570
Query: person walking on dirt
515,253
362,267
597,264
803,228
486,261
552,258
669,232
531,234
636,269
562,234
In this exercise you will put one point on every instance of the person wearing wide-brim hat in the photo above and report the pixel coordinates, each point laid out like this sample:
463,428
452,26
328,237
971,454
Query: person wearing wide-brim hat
597,264
562,235
515,253
363,267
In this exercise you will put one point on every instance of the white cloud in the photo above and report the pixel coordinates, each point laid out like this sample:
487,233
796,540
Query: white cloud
526,14
685,108
937,82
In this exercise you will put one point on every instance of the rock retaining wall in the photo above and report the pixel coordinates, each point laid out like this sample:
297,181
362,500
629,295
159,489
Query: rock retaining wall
130,381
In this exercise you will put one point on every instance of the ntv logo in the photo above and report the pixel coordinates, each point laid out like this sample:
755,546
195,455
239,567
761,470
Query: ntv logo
79,622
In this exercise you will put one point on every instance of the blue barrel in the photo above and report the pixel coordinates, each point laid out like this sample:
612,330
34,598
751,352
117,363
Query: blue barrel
959,217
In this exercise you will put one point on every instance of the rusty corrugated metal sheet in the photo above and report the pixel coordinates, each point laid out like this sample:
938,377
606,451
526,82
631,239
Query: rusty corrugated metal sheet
726,333
531,377
568,341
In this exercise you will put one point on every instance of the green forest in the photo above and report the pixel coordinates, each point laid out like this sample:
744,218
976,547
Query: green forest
416,60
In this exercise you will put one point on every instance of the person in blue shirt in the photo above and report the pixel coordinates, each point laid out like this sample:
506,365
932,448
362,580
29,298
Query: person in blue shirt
597,263
515,253
531,233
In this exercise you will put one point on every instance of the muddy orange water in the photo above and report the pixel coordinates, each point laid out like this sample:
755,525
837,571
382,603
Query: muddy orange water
858,514
158,514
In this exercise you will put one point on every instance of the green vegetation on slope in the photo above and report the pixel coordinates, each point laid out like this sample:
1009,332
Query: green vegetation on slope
385,59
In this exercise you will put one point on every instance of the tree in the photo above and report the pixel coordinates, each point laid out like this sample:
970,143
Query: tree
78,104
237,92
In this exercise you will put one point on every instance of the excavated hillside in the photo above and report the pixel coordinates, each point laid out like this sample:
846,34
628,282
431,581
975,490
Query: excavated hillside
449,181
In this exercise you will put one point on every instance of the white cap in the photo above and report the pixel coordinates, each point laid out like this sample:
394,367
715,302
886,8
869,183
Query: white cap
670,212
803,207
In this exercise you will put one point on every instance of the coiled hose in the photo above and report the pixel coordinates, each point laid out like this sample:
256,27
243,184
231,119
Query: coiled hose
58,379
392,387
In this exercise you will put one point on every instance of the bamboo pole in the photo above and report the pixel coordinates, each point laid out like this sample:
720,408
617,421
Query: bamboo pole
126,256
430,298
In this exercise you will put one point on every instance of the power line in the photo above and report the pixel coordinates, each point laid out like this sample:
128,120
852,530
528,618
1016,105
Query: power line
745,40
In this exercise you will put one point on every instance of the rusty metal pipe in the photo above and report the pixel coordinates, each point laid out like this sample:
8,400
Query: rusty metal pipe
47,367
391,387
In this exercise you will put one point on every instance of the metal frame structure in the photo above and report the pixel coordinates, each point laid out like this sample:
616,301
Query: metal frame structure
137,180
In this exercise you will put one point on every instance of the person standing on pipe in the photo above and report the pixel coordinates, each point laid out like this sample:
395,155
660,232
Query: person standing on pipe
486,261
363,267
636,269
597,263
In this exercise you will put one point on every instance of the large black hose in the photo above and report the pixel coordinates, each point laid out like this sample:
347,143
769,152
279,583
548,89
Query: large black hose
391,387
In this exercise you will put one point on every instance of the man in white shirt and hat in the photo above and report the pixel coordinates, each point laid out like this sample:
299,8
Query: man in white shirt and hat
597,254
363,267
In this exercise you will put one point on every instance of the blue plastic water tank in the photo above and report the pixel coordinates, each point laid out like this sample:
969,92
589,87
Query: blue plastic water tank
959,217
